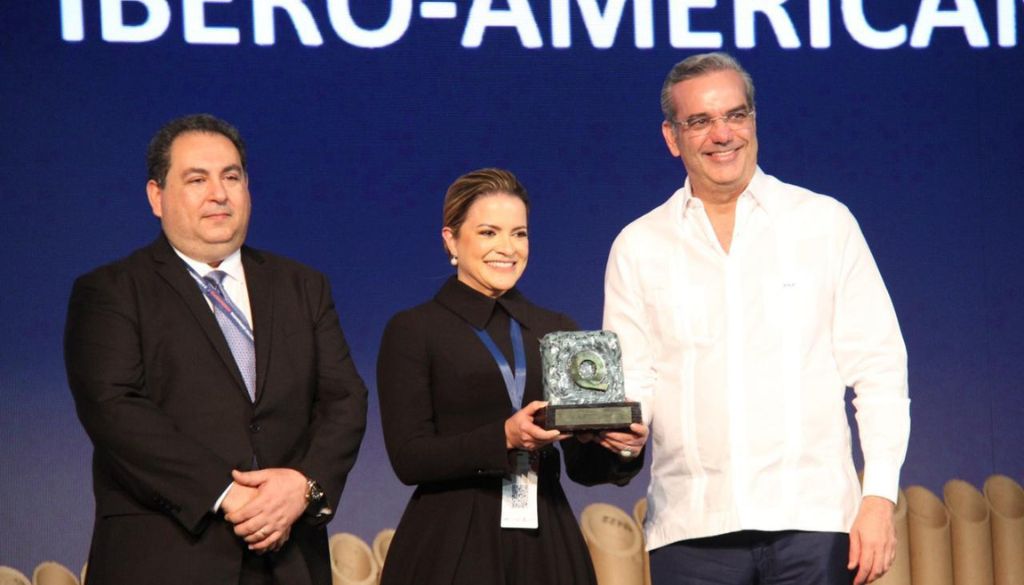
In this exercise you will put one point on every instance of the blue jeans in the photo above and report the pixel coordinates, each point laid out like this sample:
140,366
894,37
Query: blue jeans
753,557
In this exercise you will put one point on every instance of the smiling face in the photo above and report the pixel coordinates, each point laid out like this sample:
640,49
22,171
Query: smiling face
492,244
720,163
204,204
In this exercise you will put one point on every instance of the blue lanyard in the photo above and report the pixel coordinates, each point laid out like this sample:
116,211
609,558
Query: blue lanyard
514,383
223,304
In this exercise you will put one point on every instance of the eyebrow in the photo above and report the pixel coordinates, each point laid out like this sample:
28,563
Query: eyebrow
492,226
202,171
705,114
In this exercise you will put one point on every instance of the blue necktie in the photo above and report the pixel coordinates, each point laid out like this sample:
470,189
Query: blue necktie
236,330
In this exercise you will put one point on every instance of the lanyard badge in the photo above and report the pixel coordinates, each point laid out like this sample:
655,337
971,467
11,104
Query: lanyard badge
519,489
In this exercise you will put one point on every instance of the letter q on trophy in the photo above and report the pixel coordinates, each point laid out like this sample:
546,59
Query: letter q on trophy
583,382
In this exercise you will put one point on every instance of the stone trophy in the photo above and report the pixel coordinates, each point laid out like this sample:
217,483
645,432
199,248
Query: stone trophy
583,382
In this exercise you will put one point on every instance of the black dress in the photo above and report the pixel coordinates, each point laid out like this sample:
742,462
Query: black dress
443,405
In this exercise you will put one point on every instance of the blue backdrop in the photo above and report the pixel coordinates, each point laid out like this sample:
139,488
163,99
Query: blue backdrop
359,114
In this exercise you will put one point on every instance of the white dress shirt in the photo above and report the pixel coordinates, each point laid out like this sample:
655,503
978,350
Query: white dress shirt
741,362
233,284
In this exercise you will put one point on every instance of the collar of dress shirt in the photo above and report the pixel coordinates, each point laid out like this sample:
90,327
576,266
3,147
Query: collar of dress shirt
232,265
758,190
476,308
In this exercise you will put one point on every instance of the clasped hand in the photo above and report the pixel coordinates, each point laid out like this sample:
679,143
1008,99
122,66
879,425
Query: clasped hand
263,505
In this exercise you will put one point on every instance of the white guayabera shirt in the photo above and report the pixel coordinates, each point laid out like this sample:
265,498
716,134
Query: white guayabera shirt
741,363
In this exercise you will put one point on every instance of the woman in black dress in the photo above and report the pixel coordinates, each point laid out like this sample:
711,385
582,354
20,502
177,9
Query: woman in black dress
450,425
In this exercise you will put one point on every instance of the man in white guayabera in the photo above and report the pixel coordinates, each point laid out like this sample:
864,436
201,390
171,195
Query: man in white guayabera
745,307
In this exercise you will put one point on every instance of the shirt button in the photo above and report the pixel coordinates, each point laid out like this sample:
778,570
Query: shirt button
254,427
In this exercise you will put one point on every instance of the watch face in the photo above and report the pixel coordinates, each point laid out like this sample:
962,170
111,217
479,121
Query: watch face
314,493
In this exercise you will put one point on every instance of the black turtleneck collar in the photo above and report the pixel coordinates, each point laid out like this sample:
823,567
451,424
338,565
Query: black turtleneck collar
476,308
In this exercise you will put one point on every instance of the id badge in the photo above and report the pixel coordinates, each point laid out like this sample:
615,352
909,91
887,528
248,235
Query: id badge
519,495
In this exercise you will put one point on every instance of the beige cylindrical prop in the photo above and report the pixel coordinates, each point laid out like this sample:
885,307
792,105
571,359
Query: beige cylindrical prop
931,555
639,513
12,576
899,572
1006,508
615,545
971,533
52,573
381,543
352,561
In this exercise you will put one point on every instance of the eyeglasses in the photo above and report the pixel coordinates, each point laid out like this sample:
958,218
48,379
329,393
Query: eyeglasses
700,126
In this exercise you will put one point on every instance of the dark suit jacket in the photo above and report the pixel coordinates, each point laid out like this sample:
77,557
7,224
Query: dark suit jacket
160,395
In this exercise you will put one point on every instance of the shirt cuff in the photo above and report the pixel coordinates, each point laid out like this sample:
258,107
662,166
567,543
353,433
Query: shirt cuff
882,479
220,500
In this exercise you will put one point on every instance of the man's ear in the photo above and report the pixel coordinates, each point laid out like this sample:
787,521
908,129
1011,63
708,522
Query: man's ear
668,131
156,196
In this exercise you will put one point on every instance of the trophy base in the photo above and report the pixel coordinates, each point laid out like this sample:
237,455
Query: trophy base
588,417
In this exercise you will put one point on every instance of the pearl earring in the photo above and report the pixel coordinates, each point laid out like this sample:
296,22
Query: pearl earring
454,261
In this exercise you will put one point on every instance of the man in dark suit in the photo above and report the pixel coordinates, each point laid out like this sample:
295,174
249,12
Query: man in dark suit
216,385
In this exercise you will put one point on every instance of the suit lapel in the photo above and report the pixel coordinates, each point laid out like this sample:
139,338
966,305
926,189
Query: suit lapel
261,296
172,269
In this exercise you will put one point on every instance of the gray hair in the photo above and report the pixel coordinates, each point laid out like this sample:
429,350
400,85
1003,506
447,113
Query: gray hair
695,66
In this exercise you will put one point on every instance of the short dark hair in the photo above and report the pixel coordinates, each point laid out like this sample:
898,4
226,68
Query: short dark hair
696,66
158,155
469,187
